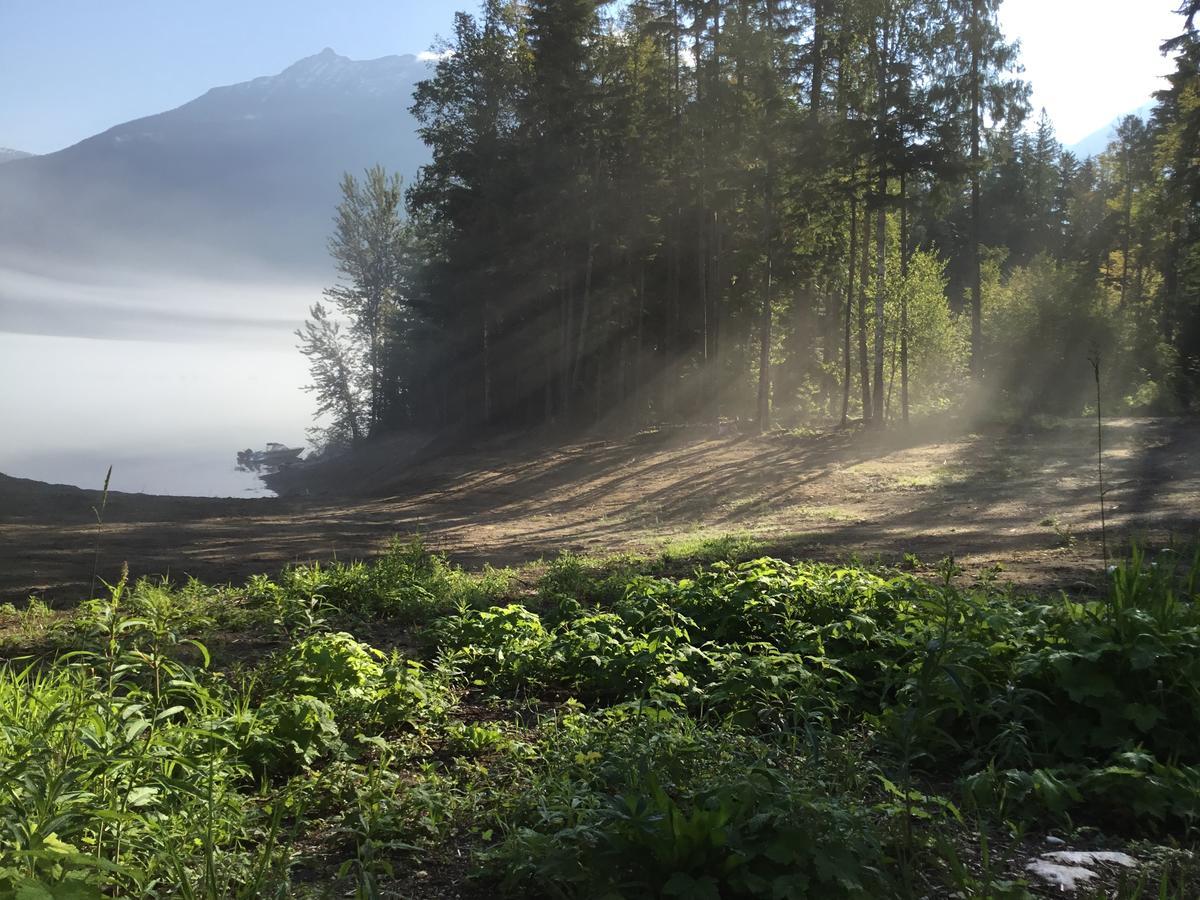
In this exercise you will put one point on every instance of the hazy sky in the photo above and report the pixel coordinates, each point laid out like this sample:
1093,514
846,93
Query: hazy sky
72,68
1091,60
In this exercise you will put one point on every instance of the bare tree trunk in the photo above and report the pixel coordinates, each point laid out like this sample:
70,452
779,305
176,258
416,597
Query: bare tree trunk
712,319
639,370
976,125
891,384
623,330
849,308
568,326
904,299
864,364
487,361
881,229
670,322
764,328
880,288
668,373
764,333
585,313
714,325
548,387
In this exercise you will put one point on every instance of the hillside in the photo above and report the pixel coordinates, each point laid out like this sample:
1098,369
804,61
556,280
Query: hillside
1097,142
244,177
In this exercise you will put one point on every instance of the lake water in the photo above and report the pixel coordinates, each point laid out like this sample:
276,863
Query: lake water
169,416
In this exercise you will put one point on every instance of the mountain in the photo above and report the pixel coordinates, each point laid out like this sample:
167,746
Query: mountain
244,177
8,155
1097,142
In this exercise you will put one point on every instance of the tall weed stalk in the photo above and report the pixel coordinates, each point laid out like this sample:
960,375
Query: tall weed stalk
99,514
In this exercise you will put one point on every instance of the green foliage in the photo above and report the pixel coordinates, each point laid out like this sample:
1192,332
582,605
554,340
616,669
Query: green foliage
937,340
757,835
1044,319
570,578
290,733
329,667
591,165
121,768
759,729
407,585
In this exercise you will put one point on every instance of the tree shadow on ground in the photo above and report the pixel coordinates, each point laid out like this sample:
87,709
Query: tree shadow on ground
1024,499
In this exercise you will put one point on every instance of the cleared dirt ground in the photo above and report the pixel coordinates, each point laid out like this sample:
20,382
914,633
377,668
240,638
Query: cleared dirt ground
1024,499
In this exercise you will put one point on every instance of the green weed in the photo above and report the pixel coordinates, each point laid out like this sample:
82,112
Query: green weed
754,729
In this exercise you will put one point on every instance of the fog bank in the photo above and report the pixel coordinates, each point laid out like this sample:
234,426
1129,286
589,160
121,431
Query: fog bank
163,381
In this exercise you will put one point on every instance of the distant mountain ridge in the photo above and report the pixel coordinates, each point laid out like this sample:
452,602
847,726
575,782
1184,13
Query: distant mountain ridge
1097,142
7,154
244,175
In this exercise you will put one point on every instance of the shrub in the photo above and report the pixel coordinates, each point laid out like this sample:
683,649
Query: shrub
654,808
329,667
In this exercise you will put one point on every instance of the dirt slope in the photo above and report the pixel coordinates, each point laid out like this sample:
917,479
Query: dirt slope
1026,500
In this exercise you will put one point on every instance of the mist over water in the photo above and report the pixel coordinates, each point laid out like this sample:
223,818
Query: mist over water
164,381
151,275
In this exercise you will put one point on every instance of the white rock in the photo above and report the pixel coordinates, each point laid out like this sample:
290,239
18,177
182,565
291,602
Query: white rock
1091,858
1066,878
1067,869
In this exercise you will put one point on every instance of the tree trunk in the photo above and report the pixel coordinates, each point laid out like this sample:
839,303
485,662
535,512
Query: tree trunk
764,328
487,361
849,308
712,317
830,311
352,413
881,223
976,125
891,384
639,368
712,324
903,300
764,331
880,287
1126,224
818,67
585,313
568,327
864,363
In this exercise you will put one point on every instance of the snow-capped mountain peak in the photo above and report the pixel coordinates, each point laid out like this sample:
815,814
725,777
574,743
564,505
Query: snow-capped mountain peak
328,72
248,171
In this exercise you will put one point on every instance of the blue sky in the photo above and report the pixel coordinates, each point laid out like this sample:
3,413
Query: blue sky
72,68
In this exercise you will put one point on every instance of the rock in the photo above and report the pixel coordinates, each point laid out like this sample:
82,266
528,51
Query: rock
1065,878
1091,858
1068,869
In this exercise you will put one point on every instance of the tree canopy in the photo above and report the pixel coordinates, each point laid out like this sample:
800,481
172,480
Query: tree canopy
769,210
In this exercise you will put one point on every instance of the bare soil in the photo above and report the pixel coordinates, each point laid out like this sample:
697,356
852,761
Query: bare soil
1026,499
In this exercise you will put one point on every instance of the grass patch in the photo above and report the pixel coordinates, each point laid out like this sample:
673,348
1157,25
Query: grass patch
701,548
